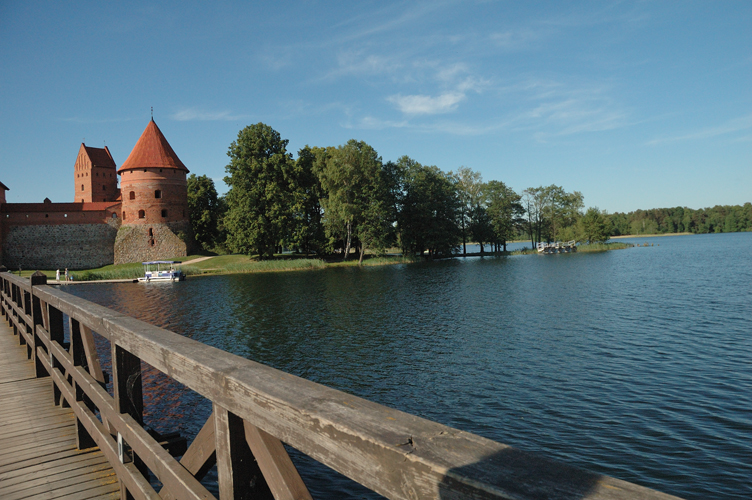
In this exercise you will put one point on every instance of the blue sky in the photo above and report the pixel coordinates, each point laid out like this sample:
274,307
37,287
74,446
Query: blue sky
635,104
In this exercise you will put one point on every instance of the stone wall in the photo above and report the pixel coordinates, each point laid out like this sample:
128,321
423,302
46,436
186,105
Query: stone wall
75,246
159,241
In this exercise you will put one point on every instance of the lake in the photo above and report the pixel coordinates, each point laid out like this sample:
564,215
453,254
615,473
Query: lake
634,363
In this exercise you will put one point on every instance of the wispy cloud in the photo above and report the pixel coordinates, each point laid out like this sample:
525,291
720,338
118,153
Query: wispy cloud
739,124
427,105
192,114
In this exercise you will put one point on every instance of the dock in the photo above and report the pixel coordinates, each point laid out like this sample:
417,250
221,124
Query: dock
71,429
38,454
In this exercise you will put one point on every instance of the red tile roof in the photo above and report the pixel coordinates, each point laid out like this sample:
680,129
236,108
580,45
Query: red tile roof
152,150
100,157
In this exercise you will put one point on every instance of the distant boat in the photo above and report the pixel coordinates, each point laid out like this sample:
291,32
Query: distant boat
169,274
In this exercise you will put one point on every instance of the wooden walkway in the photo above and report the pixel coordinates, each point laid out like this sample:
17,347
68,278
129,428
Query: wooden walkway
38,455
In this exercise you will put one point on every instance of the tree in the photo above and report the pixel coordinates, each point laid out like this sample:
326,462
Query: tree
354,202
262,183
480,226
469,187
504,210
431,211
550,209
203,210
595,226
307,231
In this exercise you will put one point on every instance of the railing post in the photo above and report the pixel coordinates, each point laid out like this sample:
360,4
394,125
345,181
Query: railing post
57,334
83,438
126,382
37,318
240,477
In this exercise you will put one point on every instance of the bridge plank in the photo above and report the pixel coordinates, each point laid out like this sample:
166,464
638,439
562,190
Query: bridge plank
38,457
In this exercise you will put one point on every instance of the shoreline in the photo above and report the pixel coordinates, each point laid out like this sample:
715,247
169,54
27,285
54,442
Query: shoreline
621,236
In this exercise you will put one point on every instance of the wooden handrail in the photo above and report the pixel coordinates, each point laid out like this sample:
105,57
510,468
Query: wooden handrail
396,454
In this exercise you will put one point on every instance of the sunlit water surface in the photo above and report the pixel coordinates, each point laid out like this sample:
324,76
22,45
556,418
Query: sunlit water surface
634,363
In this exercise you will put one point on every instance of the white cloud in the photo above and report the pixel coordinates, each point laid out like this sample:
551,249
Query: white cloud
427,105
192,114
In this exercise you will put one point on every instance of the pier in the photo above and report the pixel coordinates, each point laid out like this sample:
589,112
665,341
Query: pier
557,247
49,346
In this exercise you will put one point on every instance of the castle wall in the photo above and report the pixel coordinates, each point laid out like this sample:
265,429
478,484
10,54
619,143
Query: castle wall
159,241
57,246
58,235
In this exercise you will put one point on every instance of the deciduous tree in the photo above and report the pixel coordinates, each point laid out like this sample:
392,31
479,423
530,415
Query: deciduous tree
203,210
262,184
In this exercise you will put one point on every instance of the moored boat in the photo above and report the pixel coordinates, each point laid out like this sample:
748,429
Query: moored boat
160,274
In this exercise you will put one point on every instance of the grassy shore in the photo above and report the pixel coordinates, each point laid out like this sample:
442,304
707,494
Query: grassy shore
240,264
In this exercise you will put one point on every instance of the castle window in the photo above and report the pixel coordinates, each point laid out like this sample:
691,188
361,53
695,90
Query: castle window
46,215
132,195
141,214
65,215
151,232
158,193
82,187
114,216
123,214
164,213
104,187
97,174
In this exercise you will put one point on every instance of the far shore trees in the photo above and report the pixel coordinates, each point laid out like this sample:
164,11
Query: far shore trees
261,196
203,210
307,231
431,211
505,212
355,202
595,226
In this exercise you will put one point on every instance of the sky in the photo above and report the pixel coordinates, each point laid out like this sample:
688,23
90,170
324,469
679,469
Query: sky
637,105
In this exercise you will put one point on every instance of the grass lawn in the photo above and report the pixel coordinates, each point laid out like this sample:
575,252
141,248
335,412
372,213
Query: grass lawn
235,264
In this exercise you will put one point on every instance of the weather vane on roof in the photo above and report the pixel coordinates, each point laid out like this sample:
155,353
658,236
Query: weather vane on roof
152,112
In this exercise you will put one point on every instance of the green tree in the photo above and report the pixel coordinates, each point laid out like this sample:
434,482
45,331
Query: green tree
431,210
355,205
203,210
469,189
505,211
595,226
262,184
307,231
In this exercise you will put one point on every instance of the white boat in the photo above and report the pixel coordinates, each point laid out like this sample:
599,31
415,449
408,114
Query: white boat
161,274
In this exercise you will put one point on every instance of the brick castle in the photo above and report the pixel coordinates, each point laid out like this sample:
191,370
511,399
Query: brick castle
146,219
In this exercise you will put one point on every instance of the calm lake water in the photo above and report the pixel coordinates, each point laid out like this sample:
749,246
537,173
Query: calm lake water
634,363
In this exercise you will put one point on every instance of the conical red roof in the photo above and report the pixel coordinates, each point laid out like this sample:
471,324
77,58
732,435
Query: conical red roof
152,151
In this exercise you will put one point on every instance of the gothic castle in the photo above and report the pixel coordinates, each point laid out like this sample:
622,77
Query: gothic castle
146,219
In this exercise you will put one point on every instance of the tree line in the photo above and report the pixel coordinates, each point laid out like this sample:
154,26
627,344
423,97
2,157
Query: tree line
718,219
342,199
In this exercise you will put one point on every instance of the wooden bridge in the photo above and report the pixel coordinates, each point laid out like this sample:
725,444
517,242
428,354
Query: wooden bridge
67,433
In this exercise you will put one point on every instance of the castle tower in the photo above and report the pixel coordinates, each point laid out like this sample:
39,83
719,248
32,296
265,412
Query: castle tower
154,196
95,175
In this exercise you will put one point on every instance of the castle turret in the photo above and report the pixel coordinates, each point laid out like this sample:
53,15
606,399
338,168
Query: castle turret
95,175
154,201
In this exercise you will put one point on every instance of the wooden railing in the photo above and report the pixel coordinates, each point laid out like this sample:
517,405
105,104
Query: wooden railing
255,409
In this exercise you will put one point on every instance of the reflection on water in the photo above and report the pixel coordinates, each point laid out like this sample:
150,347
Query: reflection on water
632,363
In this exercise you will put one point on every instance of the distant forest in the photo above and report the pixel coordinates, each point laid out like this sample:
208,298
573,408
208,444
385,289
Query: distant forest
719,219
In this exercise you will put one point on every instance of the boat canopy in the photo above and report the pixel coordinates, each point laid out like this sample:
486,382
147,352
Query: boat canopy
162,262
